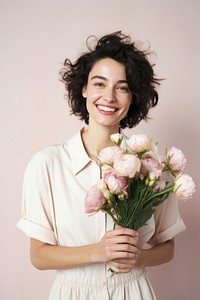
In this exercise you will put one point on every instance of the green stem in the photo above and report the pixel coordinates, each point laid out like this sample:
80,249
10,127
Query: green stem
141,198
168,190
110,214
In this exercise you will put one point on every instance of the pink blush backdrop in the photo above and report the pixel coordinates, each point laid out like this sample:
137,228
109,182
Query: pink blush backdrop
36,37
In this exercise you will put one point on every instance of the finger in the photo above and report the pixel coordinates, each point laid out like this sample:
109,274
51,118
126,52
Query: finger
125,261
126,231
119,268
124,247
123,239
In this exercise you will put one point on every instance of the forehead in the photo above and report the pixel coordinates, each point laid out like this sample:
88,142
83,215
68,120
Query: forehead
108,67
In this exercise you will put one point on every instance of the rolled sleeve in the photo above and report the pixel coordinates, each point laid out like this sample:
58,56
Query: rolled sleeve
37,232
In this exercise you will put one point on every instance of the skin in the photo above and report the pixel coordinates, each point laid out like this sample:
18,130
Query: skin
108,98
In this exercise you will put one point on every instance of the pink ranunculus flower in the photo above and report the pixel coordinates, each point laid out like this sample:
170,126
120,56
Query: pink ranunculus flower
139,143
108,154
175,160
151,166
94,200
116,184
184,187
127,165
116,138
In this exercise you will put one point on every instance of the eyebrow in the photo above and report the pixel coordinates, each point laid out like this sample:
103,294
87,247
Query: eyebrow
106,79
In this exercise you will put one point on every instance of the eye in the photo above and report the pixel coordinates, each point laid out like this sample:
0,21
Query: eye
123,88
98,84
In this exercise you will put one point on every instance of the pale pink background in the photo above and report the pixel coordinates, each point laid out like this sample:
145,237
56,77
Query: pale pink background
35,38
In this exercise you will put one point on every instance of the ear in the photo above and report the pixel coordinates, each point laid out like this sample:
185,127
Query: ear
84,91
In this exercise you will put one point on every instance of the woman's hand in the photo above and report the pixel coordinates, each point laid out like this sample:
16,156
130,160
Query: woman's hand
120,249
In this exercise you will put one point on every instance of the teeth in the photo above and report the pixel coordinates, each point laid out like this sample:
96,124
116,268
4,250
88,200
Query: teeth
106,108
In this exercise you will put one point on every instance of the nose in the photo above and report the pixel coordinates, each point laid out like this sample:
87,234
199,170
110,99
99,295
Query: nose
109,94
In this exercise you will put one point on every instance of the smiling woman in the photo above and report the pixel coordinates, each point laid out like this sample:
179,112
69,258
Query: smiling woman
107,93
139,75
110,87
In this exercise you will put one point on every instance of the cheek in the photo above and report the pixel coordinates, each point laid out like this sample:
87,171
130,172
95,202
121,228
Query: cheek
126,106
92,96
127,103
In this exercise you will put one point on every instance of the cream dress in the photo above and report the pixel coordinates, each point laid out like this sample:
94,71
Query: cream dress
55,183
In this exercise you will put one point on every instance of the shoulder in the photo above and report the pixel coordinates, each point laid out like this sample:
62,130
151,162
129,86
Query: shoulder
55,154
41,163
58,157
46,155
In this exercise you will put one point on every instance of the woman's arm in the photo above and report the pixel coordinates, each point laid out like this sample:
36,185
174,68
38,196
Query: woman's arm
157,255
45,256
121,243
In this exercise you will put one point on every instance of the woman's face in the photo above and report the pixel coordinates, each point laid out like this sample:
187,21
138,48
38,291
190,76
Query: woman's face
107,94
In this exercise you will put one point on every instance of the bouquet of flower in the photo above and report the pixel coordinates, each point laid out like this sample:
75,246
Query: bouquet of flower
133,182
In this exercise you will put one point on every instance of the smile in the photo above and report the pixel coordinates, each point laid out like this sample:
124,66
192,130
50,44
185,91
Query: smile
106,108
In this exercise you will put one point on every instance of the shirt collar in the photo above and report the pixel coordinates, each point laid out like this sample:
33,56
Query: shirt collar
77,152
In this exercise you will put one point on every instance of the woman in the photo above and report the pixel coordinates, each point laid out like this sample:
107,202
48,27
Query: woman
110,87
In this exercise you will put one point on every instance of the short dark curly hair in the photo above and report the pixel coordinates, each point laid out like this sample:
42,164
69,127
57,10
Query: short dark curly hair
139,72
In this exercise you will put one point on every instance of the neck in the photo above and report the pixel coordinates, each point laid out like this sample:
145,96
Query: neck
95,139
